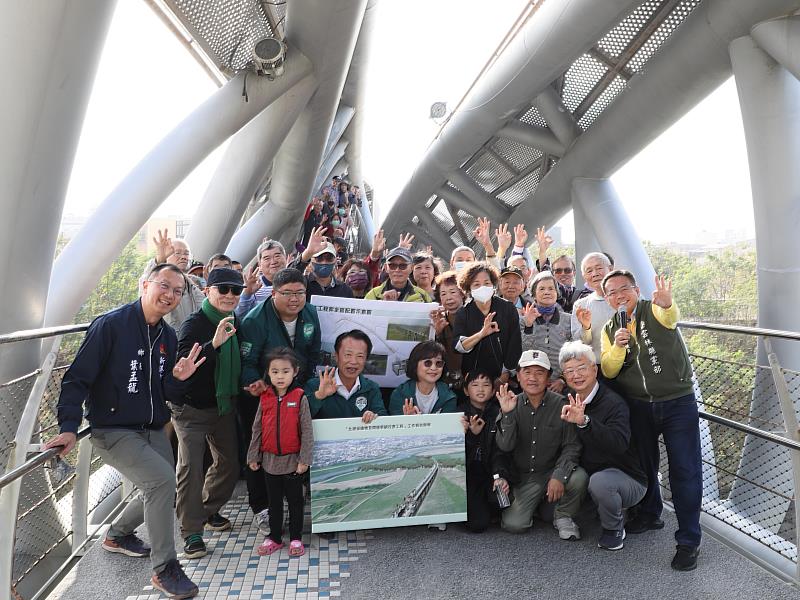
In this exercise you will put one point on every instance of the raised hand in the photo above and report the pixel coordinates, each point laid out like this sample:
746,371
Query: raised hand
584,316
481,232
530,314
506,398
662,296
520,235
429,249
378,245
252,282
439,320
187,365
256,388
164,247
316,242
476,424
406,240
409,408
503,238
327,383
225,331
490,326
574,411
544,240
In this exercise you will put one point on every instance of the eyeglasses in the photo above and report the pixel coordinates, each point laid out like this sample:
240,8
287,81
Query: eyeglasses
565,271
582,370
429,362
229,289
282,294
618,291
396,266
165,287
182,253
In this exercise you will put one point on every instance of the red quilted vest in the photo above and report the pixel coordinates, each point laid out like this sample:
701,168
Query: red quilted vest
280,422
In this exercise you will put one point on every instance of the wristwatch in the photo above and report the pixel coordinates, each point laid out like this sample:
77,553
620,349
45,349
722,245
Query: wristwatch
585,422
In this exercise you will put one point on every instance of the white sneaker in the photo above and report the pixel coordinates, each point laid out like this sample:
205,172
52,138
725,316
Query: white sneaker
262,521
567,529
439,526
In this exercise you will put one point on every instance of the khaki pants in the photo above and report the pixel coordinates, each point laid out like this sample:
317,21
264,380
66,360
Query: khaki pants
201,495
145,458
529,493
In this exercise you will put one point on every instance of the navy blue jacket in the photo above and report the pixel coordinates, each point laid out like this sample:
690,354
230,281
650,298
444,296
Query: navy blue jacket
123,370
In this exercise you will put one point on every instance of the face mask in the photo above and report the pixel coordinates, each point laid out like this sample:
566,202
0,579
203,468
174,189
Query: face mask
323,269
335,222
357,281
341,212
483,293
459,265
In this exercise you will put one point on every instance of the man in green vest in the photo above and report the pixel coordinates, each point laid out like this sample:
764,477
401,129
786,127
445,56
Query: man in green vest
646,362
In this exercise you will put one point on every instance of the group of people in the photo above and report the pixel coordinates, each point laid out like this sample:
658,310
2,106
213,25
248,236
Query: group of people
562,389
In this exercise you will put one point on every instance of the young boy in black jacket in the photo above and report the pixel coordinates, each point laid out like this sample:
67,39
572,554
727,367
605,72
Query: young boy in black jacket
484,459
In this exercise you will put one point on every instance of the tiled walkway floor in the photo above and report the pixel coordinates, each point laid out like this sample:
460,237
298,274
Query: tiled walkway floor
233,569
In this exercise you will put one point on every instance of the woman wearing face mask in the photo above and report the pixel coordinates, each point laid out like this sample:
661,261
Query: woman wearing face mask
545,326
424,393
486,329
424,272
345,222
357,276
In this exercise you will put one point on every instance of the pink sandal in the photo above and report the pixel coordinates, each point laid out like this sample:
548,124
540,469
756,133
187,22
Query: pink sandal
268,547
296,548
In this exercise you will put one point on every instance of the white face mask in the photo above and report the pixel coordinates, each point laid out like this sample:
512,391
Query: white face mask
459,265
483,293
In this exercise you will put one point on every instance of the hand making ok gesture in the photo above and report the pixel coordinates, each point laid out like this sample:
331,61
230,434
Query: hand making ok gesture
507,399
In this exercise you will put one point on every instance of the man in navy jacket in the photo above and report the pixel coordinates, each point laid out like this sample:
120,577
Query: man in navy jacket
125,370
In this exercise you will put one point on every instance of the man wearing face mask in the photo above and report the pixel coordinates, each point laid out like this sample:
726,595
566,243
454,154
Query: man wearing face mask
321,281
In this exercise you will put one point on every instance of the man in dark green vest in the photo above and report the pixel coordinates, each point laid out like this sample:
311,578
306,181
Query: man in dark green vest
647,363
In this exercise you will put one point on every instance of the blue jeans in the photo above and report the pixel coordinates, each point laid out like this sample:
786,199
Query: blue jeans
677,420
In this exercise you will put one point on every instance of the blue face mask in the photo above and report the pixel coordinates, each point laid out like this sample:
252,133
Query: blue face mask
323,269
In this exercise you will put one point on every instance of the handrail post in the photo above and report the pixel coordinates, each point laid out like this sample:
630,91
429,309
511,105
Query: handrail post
792,432
9,496
80,496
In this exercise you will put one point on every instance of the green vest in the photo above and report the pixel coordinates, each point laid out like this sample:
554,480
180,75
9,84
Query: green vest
656,366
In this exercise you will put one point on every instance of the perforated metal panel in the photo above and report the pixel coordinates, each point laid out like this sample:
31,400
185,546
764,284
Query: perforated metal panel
660,35
520,190
489,173
620,37
532,117
519,155
226,29
579,80
442,216
603,101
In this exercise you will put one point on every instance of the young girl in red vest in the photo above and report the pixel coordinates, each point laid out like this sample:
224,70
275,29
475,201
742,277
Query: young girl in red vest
282,443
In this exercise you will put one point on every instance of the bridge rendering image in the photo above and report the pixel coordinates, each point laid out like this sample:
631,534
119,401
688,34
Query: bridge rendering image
379,299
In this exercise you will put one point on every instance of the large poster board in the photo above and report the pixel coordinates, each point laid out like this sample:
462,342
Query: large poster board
396,471
394,328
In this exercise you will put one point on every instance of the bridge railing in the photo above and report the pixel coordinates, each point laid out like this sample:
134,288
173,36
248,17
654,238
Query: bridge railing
750,442
50,507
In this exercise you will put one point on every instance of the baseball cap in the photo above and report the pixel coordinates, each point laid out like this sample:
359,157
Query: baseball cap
531,358
225,276
402,253
328,249
513,271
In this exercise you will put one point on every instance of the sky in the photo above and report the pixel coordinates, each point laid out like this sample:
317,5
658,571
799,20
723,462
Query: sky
698,167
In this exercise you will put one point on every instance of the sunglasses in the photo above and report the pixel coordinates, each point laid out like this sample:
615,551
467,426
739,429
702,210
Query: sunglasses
229,289
433,363
566,271
397,266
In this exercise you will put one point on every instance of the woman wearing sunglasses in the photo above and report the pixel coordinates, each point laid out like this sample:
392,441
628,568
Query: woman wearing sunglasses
424,392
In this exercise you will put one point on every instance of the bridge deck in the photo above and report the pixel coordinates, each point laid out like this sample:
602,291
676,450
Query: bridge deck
416,562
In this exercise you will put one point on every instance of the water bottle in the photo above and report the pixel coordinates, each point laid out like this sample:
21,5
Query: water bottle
502,497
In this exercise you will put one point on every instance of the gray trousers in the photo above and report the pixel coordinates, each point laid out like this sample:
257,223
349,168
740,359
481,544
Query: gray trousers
201,495
145,458
613,491
529,493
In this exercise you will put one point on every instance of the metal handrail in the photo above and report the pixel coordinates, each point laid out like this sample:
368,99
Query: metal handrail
41,333
774,333
760,433
37,460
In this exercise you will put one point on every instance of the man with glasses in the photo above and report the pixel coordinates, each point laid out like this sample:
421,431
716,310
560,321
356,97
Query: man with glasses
590,313
285,319
398,286
175,253
271,259
207,412
564,270
124,371
602,421
647,363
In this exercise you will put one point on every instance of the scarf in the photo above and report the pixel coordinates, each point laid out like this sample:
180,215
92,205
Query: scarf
546,310
228,366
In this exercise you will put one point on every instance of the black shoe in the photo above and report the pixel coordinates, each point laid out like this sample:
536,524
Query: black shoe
194,546
641,523
174,582
685,558
611,539
217,522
